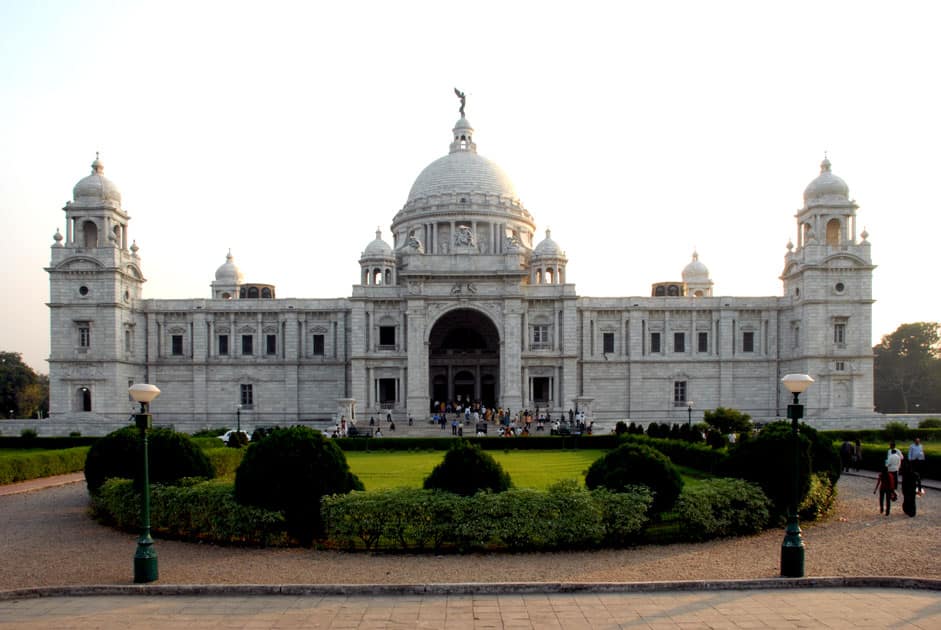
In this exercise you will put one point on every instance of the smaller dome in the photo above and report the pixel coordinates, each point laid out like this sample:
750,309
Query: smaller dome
826,186
463,124
96,188
229,273
695,271
548,248
378,248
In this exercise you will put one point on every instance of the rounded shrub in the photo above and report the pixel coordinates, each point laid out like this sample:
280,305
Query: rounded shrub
768,460
290,470
466,470
172,456
633,465
930,423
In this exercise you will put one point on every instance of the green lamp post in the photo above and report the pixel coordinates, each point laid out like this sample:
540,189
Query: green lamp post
145,558
792,549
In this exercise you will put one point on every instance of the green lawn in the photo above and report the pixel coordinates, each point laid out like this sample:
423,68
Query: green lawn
527,469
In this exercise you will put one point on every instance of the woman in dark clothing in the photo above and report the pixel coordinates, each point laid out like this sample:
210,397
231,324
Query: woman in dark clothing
908,487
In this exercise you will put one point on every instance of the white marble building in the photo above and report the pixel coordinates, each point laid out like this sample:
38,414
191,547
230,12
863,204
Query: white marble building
466,303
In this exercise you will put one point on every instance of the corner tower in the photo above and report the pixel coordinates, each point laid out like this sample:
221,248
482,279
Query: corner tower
827,331
94,281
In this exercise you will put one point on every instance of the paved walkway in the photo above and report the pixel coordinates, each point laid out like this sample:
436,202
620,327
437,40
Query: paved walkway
780,608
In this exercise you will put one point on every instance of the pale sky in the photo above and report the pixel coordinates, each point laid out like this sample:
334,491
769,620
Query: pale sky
636,131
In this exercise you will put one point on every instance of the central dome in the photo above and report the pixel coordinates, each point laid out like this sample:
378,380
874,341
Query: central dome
462,172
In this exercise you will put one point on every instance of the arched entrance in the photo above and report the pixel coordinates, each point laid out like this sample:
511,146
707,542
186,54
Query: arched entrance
464,358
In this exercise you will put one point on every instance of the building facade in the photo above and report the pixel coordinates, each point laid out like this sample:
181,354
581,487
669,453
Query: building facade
466,304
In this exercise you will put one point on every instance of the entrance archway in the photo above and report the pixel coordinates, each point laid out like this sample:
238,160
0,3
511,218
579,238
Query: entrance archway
464,358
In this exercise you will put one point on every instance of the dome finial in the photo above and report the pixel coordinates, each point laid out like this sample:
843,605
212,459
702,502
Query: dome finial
97,167
825,165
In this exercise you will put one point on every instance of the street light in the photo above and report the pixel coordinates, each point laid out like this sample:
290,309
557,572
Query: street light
238,418
792,549
145,558
689,413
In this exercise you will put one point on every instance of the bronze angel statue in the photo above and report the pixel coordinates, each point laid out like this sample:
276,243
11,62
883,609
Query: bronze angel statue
461,96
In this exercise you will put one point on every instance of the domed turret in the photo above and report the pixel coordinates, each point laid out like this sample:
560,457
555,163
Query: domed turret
228,279
377,263
548,262
96,189
826,187
696,278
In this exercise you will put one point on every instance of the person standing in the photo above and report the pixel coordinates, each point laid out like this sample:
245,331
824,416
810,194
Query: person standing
916,456
885,487
846,455
908,488
893,461
859,453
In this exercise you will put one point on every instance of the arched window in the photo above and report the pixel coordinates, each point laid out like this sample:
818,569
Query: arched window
833,232
90,234
660,291
253,292
388,279
265,292
377,276
550,276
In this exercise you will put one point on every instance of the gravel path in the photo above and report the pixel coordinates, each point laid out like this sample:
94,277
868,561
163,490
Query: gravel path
46,538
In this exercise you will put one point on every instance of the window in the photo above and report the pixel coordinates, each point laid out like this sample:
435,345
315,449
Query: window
679,393
607,343
271,344
246,396
840,366
176,345
797,336
127,340
84,335
541,336
542,390
387,336
703,340
247,345
679,342
839,333
654,342
318,345
748,341
223,345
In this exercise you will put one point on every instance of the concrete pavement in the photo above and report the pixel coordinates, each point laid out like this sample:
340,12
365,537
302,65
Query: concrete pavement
490,606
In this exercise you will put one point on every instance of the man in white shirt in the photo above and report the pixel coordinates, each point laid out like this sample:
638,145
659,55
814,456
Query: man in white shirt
893,461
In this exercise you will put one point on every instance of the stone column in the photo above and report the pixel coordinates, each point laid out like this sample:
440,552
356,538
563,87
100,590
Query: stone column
417,395
510,352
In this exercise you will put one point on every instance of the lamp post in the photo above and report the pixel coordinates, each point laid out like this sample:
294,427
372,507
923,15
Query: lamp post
238,418
689,413
792,549
145,558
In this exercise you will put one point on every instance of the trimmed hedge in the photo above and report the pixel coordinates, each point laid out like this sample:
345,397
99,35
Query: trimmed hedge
225,461
26,466
194,510
683,453
538,443
564,517
171,456
880,435
466,470
634,465
716,508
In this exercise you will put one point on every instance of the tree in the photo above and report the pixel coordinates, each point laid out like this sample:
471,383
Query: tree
908,369
18,387
725,421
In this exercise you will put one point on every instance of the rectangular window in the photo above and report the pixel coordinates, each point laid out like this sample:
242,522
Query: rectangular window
797,336
247,345
654,342
246,395
540,337
127,340
679,342
318,345
271,344
387,336
748,341
607,343
839,333
223,345
840,366
703,338
176,345
679,393
84,336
